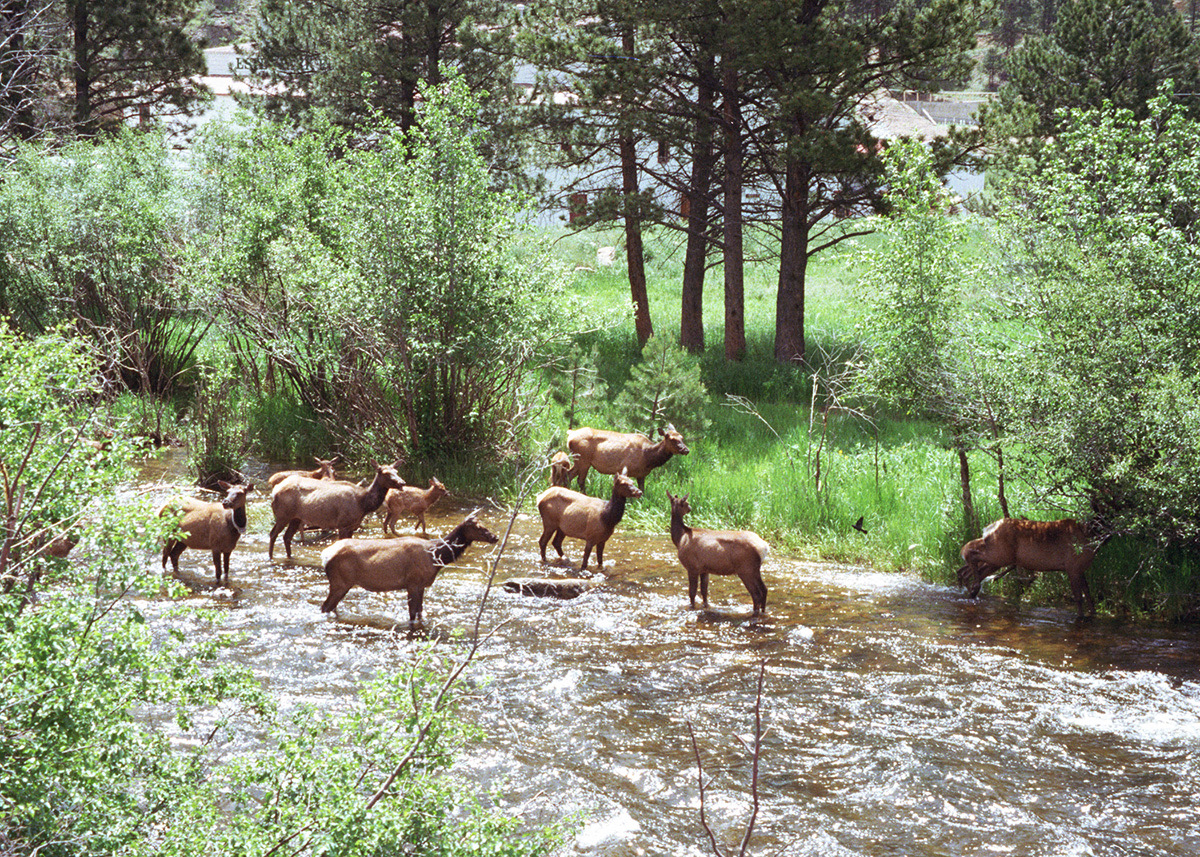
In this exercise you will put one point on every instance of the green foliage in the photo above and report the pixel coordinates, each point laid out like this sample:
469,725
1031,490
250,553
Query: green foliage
389,286
1100,52
217,443
94,235
576,385
911,284
1105,264
664,389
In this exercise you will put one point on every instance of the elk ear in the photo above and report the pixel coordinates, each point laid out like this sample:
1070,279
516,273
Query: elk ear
670,497
249,487
225,486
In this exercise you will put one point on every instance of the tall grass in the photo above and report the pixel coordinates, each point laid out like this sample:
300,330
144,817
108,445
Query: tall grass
800,480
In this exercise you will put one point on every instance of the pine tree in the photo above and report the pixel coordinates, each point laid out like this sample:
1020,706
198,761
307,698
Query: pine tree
1115,52
130,57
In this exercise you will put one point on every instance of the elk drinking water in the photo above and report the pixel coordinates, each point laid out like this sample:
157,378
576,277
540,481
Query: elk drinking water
1032,545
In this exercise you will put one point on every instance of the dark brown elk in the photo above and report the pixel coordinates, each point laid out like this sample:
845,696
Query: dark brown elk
613,452
1034,546
411,500
299,501
386,565
705,552
568,513
208,526
324,471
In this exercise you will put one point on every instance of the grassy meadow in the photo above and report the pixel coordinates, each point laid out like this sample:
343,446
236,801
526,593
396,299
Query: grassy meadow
770,463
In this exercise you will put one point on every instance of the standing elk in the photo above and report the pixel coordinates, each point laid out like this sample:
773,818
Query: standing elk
411,500
613,452
568,513
325,504
705,552
324,471
1034,546
386,565
208,526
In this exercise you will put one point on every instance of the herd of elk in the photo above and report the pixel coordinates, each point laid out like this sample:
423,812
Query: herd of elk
317,499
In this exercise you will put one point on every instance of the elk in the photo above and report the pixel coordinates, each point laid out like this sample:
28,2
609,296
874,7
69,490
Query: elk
208,526
568,513
299,501
411,500
1034,546
324,471
705,552
613,452
385,565
560,470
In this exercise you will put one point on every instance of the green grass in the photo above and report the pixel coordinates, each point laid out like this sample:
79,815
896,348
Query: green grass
767,469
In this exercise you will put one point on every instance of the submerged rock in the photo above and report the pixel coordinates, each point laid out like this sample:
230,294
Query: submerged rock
567,587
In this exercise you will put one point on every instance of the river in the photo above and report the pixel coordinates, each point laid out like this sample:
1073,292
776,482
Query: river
898,717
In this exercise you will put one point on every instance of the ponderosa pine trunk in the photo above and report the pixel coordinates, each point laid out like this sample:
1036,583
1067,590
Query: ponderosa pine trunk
634,253
734,254
691,316
793,262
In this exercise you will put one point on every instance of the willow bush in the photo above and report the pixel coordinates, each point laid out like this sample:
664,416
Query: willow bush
384,281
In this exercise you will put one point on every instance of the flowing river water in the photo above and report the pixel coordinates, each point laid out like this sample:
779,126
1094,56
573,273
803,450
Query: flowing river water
898,717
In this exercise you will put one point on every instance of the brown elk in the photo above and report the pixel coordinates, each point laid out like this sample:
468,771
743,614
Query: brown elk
568,513
411,500
561,470
208,526
324,471
386,565
1032,545
325,504
705,552
613,452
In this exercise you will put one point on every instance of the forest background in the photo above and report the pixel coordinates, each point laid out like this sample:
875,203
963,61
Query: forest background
349,269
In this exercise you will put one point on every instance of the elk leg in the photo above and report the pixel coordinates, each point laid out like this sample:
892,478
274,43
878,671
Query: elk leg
416,604
693,579
704,589
275,531
292,527
337,592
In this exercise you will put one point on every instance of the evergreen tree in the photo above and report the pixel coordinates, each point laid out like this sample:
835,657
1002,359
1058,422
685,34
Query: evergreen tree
362,60
1115,52
126,57
817,65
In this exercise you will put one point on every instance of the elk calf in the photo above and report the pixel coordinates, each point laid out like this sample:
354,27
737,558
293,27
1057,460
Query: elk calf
705,552
411,500
568,513
385,565
208,526
1035,546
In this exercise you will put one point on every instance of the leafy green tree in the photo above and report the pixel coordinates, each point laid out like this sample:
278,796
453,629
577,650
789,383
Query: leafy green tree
1100,52
1102,398
386,284
917,361
94,237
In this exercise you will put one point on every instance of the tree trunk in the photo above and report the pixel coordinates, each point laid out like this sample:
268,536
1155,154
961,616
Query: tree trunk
634,254
691,317
82,71
793,261
734,256
964,476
